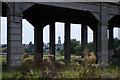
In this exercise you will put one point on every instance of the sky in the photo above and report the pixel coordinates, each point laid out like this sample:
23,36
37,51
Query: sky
28,32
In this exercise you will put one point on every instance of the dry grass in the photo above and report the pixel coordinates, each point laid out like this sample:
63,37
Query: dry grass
78,68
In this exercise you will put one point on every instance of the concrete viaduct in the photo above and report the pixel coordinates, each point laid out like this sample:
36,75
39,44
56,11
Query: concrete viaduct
100,17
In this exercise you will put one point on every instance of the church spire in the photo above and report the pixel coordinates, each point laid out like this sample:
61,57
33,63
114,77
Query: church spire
59,40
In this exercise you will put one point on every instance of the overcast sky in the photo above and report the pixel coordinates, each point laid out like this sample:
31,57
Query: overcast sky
28,32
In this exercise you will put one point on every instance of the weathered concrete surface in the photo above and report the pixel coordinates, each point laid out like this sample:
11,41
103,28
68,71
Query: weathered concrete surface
14,38
102,40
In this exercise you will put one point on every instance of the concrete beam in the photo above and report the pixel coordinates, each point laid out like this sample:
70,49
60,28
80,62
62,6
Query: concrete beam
67,42
84,37
113,10
52,39
25,5
85,6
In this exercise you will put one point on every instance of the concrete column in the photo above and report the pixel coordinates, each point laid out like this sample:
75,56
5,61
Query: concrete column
110,45
94,41
67,42
38,42
110,39
95,44
52,39
14,40
83,37
102,45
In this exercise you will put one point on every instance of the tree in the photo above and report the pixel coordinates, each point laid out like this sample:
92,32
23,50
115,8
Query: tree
75,46
30,49
30,43
61,52
116,43
90,46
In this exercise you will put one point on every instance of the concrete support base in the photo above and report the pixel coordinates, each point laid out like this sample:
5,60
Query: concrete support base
67,42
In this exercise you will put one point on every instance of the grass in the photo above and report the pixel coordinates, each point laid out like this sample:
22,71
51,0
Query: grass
59,69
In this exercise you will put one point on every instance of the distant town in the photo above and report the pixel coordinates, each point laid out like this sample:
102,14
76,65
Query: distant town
29,48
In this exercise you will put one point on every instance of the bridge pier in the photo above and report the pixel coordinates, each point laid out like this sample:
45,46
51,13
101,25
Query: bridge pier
102,41
110,45
14,40
38,42
102,45
52,39
67,42
95,41
84,38
95,44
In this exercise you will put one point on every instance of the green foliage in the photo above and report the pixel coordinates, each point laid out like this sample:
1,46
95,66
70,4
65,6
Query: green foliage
4,50
57,54
75,46
77,50
90,47
116,43
116,55
61,52
57,69
30,49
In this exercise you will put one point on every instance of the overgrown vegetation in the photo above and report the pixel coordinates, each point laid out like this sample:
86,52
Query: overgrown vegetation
78,68
76,48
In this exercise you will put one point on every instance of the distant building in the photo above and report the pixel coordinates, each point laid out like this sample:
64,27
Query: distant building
4,45
46,47
59,40
59,45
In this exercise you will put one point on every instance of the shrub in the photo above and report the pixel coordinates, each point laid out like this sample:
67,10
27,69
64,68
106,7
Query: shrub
88,70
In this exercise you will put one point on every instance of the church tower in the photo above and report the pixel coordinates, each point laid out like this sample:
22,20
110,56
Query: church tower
59,40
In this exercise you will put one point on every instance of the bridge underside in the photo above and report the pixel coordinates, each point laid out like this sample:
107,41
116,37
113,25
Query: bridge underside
41,15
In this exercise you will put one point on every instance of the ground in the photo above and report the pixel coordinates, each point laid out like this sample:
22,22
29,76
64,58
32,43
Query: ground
78,68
